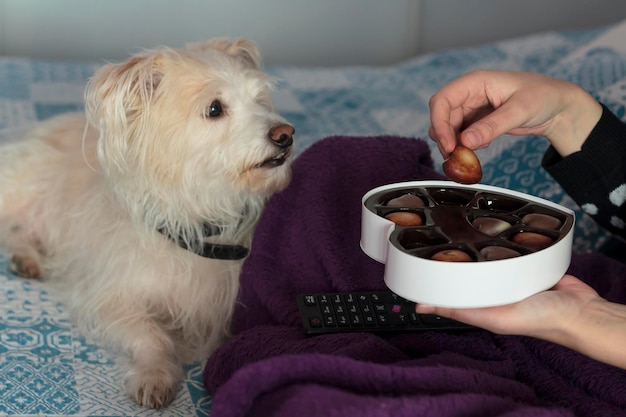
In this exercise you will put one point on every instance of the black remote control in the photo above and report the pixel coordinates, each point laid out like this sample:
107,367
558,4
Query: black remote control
375,311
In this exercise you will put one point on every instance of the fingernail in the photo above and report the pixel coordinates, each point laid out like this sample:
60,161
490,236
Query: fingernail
442,150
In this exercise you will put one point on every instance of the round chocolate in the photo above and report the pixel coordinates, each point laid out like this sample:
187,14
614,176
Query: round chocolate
451,255
494,253
405,218
406,200
541,221
490,225
531,240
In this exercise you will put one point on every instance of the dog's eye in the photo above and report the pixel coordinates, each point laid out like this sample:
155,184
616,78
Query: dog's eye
214,110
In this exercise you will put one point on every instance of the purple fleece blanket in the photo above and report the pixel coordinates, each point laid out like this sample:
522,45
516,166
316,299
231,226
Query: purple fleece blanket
307,242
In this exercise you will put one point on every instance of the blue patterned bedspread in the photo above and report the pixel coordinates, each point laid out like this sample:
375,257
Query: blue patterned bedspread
48,368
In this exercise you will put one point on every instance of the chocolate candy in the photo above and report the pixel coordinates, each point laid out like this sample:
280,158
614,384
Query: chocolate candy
451,255
406,200
494,253
405,218
531,240
463,166
541,221
490,226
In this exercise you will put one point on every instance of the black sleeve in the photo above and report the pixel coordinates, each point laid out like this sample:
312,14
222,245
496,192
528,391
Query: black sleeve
595,177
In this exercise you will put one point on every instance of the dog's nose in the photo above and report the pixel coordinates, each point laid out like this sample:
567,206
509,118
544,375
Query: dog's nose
282,135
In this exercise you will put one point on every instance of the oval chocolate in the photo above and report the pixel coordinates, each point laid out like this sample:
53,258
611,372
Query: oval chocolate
406,200
405,218
451,255
541,221
494,253
531,240
490,225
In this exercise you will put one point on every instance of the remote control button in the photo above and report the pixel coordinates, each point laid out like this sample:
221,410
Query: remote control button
342,320
363,299
309,300
315,322
356,320
329,321
369,320
382,319
400,319
414,318
380,308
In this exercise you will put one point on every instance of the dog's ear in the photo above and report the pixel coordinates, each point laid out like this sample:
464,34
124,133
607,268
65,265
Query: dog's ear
117,92
243,49
117,98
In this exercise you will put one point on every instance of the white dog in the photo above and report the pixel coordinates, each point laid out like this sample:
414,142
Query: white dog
144,210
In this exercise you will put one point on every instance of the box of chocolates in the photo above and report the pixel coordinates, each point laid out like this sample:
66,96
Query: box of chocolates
464,246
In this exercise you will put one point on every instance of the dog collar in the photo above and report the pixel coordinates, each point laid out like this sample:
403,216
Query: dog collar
212,250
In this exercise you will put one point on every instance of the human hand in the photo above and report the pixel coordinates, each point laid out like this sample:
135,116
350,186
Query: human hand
478,107
550,315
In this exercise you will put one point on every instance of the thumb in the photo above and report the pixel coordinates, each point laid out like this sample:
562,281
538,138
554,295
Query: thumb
428,309
497,123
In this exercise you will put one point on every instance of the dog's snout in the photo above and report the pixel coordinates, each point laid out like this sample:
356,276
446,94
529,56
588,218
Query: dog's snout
282,135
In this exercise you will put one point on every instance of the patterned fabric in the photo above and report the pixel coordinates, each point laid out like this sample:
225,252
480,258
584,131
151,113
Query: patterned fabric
47,367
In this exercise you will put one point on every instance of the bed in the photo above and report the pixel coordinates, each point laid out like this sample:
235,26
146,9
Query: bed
48,368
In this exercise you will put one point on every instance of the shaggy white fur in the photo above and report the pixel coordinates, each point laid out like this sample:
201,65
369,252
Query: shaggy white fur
172,140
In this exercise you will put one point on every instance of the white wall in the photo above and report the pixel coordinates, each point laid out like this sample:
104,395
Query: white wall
289,32
307,32
458,23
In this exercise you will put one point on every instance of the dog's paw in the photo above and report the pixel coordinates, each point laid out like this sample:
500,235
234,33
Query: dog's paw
152,388
25,266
